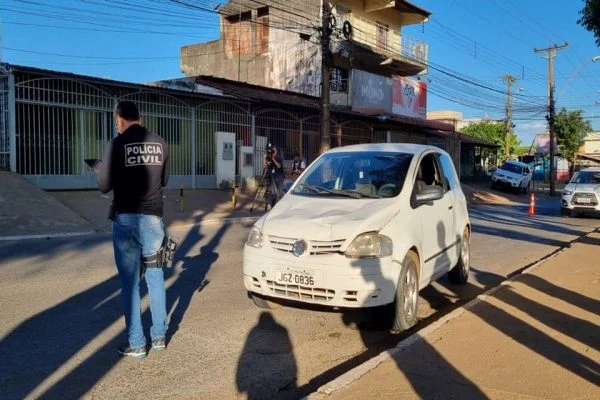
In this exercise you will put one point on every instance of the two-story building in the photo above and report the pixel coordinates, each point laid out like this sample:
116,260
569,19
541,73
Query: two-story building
268,44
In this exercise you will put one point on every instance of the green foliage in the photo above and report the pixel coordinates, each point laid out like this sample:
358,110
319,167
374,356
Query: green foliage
590,18
571,129
493,132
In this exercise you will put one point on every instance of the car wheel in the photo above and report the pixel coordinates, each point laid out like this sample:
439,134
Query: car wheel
263,303
460,273
406,302
565,212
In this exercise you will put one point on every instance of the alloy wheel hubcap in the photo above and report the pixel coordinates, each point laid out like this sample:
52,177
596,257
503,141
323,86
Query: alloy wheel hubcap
410,294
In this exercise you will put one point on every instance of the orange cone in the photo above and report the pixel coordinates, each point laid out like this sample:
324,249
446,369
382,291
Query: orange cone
532,204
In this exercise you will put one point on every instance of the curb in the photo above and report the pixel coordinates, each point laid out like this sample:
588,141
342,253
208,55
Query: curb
46,236
357,372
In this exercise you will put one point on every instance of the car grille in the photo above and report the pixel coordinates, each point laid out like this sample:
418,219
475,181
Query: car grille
315,247
591,196
297,292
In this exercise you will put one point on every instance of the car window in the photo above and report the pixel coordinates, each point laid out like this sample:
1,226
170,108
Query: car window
510,167
428,173
368,173
448,169
586,177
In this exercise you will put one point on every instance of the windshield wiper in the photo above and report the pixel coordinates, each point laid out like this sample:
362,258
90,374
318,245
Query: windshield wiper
316,189
357,194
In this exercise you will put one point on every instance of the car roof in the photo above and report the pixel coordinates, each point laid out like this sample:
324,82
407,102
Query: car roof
387,147
590,169
519,163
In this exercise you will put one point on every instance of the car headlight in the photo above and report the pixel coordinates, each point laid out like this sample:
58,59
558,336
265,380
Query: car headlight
567,193
255,238
370,245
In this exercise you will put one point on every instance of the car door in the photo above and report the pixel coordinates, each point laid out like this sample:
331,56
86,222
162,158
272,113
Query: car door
437,221
451,186
526,176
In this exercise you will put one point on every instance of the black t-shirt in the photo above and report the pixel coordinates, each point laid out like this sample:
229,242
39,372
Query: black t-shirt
136,169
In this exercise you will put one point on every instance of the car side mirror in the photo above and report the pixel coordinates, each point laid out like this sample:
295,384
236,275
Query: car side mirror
429,194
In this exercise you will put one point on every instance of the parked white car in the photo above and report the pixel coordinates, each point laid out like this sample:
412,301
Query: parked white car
513,175
363,226
582,193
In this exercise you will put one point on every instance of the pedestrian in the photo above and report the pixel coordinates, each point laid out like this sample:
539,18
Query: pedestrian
135,168
298,165
274,164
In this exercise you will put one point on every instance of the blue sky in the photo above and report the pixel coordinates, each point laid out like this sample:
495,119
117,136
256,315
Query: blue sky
478,40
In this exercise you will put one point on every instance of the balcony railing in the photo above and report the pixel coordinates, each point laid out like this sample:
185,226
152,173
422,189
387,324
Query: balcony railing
384,40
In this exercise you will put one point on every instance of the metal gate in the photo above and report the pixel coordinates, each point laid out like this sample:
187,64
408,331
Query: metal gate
4,135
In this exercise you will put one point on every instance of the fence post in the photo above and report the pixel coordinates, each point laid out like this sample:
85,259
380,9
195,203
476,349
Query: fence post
300,149
253,141
194,147
12,122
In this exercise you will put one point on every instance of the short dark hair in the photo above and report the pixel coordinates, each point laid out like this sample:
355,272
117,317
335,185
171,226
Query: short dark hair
127,110
296,154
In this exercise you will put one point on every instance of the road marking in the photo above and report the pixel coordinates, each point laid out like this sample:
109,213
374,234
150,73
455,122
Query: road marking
214,222
46,236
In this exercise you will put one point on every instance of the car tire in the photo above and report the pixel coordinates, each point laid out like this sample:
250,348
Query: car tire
459,275
262,302
565,212
406,302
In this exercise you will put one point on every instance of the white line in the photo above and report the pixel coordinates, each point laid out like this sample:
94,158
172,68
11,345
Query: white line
214,222
354,374
46,236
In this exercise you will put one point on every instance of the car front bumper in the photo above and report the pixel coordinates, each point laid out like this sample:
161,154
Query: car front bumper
574,202
505,182
338,281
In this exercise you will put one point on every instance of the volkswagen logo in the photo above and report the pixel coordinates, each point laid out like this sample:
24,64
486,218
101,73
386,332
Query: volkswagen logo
299,248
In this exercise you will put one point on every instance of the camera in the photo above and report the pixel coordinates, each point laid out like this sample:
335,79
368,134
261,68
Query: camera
269,150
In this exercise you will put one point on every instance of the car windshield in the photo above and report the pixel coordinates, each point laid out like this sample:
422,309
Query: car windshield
510,167
364,174
586,177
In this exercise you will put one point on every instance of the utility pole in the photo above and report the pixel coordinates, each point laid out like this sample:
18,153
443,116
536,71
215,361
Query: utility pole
326,29
509,79
550,117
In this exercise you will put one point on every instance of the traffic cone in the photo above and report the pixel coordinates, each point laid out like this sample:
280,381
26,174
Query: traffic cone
532,204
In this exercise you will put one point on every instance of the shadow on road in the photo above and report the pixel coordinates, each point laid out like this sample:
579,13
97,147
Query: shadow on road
267,366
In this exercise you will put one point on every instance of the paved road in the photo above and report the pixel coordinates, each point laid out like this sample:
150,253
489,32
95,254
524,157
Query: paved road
61,318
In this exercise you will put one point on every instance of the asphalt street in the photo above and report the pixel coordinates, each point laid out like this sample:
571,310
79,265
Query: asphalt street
61,315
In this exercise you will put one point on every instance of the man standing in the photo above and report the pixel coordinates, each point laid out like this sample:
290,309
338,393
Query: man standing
298,165
274,165
135,168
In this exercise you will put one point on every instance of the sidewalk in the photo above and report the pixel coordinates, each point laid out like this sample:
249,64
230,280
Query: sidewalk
27,211
536,337
200,206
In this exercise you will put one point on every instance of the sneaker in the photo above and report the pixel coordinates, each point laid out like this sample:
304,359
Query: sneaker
137,352
159,344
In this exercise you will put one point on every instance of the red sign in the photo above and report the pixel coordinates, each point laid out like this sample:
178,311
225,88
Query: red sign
409,97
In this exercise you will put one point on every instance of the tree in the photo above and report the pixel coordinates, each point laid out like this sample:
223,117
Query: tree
571,129
590,18
493,132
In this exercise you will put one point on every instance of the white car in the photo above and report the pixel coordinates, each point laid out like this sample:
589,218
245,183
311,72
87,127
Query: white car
582,193
513,175
364,226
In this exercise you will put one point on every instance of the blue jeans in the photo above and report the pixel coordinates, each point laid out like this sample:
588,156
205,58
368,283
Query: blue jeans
134,236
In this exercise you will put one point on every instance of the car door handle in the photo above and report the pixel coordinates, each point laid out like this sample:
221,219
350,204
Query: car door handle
450,207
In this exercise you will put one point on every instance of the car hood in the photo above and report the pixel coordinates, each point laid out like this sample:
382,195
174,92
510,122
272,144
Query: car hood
324,219
583,187
507,173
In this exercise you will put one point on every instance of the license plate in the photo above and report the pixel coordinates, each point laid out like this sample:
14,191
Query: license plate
584,200
303,278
